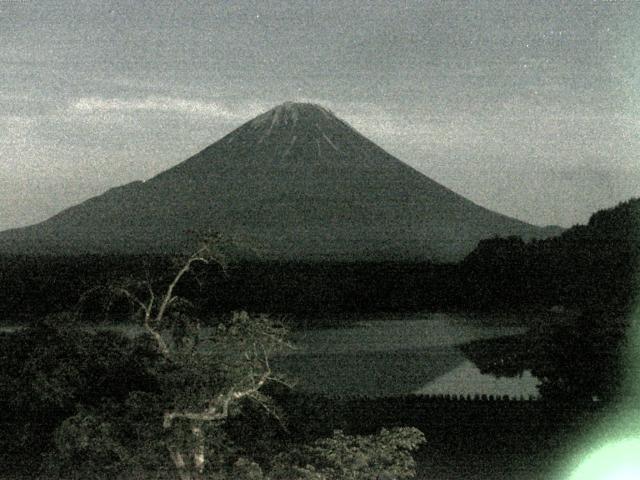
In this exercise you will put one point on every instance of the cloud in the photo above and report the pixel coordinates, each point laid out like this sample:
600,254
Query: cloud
165,104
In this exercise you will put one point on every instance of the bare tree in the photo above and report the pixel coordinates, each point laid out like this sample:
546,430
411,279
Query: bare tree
207,373
239,351
242,349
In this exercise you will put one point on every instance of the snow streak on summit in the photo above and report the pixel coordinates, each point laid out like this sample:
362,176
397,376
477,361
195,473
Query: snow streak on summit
297,180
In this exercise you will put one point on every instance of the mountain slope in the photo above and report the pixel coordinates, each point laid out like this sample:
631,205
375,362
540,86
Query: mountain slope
298,181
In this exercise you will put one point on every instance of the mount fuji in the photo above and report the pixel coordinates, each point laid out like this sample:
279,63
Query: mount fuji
300,182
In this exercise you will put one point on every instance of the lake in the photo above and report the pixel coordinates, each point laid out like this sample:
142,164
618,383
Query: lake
393,354
416,354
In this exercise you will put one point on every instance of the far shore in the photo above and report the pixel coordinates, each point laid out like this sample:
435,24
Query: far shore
535,316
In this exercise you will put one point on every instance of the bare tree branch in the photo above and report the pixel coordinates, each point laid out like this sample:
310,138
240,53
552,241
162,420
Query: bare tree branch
219,407
168,296
242,350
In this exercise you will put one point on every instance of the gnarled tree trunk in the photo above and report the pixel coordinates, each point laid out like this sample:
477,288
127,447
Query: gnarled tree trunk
190,465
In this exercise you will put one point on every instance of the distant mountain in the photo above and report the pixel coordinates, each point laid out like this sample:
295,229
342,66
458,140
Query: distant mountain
297,181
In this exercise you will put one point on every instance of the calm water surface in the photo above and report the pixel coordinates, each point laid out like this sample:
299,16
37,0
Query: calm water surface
416,354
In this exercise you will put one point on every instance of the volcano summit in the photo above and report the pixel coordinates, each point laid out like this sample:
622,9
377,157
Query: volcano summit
298,180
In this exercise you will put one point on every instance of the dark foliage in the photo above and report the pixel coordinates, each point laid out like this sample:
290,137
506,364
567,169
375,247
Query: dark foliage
50,368
579,359
36,286
588,267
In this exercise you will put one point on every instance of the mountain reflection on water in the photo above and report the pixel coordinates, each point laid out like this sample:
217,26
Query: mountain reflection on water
423,354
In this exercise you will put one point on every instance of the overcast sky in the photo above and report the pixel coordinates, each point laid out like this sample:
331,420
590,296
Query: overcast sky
527,108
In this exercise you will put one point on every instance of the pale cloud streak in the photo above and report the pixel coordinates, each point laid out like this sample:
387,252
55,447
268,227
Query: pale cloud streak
164,104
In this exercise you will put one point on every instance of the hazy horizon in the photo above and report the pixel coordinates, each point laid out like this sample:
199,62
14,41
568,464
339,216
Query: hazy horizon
528,109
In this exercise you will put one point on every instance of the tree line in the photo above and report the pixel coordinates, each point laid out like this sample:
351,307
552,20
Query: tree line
587,267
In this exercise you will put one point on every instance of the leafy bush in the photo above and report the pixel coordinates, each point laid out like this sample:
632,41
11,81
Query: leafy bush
51,367
354,457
